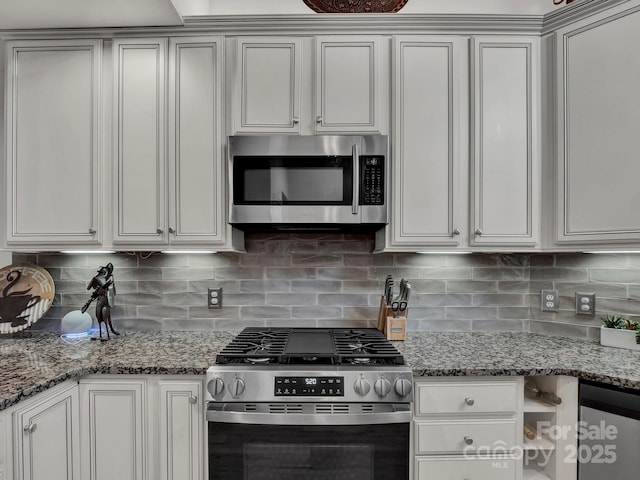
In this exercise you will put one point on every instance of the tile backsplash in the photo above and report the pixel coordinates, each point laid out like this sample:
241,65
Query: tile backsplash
335,280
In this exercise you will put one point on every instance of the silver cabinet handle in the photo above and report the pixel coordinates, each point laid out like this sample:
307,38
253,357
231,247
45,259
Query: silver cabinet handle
468,440
171,230
30,428
479,232
193,400
295,120
456,231
92,231
319,119
469,401
159,231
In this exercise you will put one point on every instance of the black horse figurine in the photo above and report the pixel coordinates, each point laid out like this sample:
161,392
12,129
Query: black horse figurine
104,289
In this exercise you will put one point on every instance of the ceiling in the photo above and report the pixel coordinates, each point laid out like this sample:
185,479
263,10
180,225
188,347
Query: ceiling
30,14
24,14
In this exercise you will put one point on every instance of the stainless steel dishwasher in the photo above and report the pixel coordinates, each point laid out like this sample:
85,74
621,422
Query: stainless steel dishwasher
608,433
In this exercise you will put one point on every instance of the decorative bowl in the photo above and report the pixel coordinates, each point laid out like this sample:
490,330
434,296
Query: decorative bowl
355,6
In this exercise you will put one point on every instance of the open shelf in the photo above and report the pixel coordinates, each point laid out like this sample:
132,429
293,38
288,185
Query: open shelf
530,473
532,405
539,443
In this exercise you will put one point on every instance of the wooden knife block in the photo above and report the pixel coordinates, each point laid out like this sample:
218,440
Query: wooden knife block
394,328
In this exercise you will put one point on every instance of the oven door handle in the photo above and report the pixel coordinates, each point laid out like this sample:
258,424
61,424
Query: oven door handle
401,414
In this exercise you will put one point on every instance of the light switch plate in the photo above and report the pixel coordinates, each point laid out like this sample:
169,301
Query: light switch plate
585,303
550,301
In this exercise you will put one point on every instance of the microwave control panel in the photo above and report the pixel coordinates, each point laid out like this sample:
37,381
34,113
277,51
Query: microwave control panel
372,180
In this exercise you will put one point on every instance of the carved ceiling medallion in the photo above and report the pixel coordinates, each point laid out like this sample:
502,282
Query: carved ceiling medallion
355,6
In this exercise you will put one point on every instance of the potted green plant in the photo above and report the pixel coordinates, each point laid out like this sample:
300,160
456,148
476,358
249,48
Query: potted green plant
620,332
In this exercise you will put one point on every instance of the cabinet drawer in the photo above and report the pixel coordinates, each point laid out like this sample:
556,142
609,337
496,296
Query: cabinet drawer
488,468
464,436
467,397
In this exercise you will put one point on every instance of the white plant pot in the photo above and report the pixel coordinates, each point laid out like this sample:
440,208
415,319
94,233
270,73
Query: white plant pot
613,337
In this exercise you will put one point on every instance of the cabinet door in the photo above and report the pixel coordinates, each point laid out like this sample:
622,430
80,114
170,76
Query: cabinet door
597,125
52,140
46,439
506,164
196,174
140,163
267,89
452,468
426,150
348,84
113,435
181,430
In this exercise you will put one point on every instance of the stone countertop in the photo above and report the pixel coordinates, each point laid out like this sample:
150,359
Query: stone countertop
31,365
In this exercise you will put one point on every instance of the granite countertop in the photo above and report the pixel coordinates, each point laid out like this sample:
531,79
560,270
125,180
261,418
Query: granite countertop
31,365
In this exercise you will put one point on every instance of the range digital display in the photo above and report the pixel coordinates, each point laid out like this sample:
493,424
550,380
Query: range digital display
309,386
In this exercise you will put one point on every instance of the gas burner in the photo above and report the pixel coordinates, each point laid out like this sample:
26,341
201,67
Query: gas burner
258,348
310,346
360,348
258,361
360,361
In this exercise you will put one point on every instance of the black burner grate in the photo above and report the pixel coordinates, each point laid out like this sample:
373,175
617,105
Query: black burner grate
309,346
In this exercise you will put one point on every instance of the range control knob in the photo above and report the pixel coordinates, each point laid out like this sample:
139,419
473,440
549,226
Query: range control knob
362,386
403,387
382,387
237,387
215,386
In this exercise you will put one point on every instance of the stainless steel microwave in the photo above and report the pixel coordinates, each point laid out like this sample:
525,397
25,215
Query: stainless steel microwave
308,182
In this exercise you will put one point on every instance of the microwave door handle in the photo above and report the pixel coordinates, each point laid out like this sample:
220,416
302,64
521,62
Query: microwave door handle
356,179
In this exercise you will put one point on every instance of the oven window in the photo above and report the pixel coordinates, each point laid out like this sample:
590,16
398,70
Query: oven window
263,461
292,180
296,452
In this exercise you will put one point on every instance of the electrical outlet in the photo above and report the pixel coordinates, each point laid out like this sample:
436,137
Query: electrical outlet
585,303
550,301
214,298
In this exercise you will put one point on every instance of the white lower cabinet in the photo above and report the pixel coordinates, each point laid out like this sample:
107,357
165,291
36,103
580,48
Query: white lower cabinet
113,429
181,416
473,428
43,440
445,468
464,436
142,428
467,428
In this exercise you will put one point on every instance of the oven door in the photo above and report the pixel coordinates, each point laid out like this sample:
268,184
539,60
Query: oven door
257,445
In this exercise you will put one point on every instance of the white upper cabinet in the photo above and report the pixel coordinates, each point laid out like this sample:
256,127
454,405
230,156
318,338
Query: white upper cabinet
598,113
53,139
139,150
197,213
505,173
442,198
267,88
427,151
283,85
348,84
169,196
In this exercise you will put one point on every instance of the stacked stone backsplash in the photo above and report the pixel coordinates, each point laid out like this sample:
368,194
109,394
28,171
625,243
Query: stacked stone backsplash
334,280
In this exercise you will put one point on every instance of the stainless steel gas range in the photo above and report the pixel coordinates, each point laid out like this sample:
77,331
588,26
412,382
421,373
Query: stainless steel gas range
312,403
